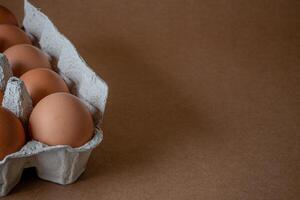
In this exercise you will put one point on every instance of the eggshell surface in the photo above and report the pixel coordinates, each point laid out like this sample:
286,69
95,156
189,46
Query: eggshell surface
61,119
1,97
11,35
7,17
25,57
42,82
12,135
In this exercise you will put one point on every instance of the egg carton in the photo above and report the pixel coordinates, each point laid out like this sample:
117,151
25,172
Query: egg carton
60,164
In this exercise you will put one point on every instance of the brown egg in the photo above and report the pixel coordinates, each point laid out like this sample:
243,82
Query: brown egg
42,82
1,97
61,119
24,57
11,35
7,17
12,135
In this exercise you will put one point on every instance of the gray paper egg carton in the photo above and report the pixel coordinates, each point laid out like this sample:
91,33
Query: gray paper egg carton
60,164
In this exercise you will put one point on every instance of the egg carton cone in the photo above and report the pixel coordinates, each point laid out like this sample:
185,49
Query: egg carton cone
60,164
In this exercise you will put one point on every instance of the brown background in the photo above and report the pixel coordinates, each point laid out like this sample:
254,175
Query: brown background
204,98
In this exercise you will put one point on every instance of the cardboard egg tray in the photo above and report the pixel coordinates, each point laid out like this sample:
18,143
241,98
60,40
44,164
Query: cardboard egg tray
59,164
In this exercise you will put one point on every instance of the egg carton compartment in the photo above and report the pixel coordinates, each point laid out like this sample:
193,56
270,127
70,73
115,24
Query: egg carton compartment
60,164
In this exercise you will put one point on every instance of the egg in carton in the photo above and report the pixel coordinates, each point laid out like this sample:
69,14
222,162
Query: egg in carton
60,164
